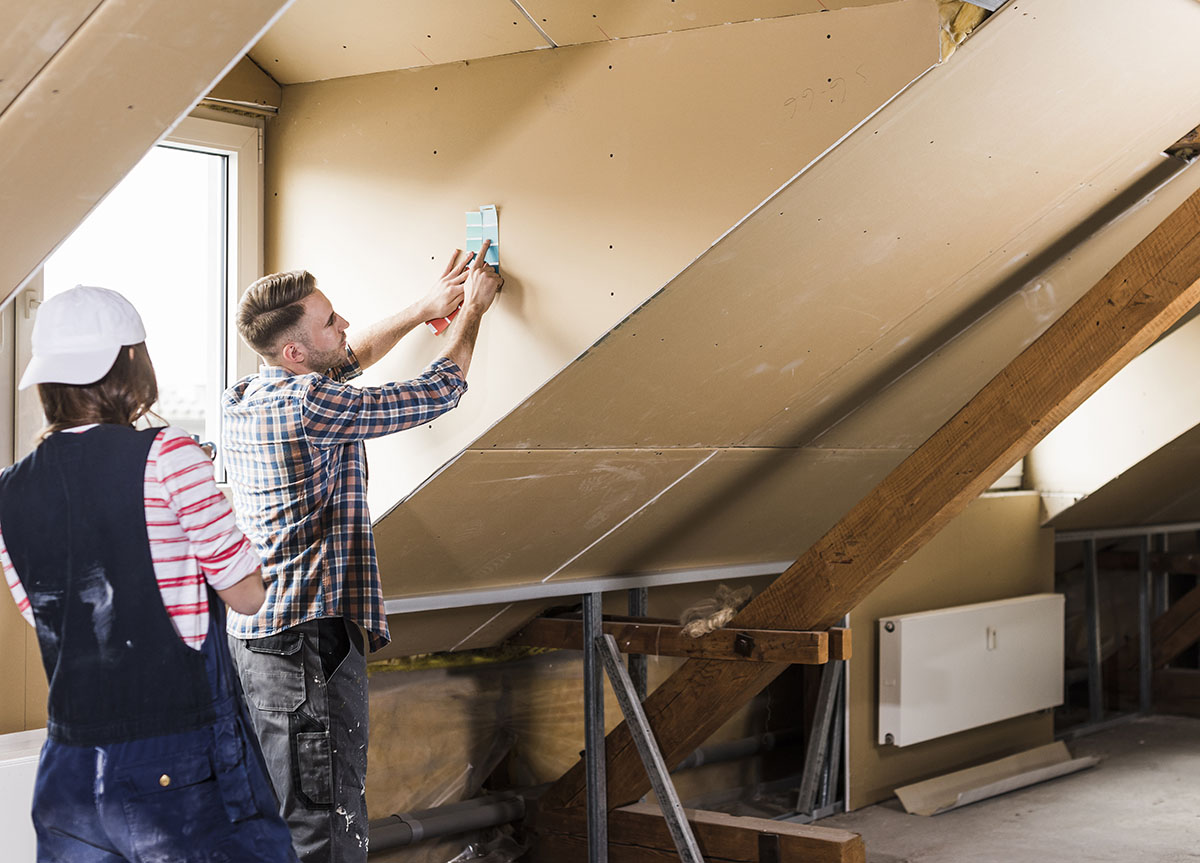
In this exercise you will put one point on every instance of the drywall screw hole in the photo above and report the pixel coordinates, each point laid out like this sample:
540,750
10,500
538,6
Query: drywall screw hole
612,293
435,152
435,89
829,36
129,107
610,245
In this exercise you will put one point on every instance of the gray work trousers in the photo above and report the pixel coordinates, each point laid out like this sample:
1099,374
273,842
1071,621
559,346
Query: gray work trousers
306,690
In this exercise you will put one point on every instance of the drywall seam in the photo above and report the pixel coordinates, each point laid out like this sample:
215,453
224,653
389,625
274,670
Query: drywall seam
1155,181
633,311
481,626
111,43
622,522
50,58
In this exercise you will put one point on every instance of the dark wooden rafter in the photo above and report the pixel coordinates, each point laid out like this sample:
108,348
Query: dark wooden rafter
666,638
1147,291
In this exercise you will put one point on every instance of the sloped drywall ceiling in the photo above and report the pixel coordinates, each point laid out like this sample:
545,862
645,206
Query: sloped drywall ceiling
742,409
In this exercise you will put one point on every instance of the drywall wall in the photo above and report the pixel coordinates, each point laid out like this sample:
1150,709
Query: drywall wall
994,550
1160,489
613,166
853,330
785,371
1148,404
90,93
316,40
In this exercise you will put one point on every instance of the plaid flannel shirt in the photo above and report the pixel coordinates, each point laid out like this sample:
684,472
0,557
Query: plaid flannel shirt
293,447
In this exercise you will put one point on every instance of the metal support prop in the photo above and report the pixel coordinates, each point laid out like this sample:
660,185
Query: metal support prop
1145,588
1092,585
639,606
643,737
593,731
1162,579
818,742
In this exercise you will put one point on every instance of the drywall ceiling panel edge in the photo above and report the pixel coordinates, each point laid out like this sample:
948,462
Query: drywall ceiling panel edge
744,506
1160,489
985,338
317,40
734,359
30,34
570,22
504,517
117,86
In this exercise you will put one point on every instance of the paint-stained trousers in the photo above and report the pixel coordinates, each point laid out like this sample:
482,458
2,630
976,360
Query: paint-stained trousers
306,689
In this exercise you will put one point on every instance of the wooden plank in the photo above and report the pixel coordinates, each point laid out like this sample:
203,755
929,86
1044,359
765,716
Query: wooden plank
1176,629
1147,291
639,833
840,645
654,638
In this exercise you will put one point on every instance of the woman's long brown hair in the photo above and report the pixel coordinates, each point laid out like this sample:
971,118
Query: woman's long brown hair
121,397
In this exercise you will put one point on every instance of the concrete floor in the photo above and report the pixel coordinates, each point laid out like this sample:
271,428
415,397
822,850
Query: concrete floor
1140,804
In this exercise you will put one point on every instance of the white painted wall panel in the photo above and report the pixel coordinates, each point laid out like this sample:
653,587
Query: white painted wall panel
18,768
957,668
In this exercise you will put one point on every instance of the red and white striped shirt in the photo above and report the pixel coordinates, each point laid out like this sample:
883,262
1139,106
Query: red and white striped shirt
193,537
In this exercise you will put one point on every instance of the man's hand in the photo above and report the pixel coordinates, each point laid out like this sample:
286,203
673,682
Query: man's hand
444,297
482,283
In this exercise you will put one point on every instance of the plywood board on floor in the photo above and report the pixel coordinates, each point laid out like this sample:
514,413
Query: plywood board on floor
994,550
613,166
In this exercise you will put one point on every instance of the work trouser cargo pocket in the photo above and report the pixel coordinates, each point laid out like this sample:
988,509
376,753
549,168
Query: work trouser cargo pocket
273,676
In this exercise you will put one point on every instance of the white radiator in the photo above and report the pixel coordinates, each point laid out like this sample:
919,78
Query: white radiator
957,668
18,767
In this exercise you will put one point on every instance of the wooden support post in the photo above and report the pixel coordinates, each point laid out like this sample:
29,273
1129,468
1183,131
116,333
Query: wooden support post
1177,629
638,834
655,638
1146,292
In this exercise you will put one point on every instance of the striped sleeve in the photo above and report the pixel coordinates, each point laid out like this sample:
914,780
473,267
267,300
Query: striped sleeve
14,584
185,474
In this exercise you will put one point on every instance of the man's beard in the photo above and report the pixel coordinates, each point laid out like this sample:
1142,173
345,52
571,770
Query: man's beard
323,361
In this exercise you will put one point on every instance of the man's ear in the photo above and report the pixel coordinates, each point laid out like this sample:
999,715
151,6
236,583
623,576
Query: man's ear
292,353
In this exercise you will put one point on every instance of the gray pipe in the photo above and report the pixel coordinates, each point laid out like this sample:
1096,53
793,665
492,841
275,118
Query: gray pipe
409,828
412,827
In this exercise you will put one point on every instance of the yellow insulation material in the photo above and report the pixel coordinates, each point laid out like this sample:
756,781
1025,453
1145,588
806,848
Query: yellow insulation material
958,20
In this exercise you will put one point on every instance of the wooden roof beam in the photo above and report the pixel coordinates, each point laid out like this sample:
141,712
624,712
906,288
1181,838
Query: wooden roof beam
1147,291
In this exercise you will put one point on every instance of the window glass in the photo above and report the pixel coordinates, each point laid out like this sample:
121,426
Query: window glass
159,239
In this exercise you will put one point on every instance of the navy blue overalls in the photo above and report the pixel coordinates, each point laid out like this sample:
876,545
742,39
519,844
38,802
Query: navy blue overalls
149,756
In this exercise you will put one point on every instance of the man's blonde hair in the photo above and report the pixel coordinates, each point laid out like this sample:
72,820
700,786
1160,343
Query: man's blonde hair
270,309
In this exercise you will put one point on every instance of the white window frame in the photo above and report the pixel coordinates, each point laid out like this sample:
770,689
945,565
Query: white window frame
240,140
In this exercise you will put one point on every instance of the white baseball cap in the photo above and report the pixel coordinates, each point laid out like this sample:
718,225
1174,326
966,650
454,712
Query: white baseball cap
78,334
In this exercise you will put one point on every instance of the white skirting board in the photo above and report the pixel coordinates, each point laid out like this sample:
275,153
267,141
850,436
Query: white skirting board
956,668
943,793
18,767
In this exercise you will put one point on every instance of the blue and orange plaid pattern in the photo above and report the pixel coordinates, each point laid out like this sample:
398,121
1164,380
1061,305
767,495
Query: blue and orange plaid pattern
293,447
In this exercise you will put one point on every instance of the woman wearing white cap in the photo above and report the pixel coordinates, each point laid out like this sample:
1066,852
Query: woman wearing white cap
119,549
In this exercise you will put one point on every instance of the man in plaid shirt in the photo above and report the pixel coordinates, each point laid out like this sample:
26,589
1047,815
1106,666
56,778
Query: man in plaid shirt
293,441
